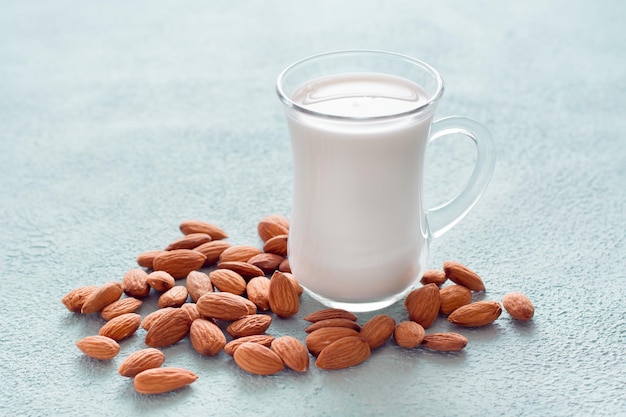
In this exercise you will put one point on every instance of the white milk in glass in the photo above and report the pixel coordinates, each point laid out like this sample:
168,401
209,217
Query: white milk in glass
353,230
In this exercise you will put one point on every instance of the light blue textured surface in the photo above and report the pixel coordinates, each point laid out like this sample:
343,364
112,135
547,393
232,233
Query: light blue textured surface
120,119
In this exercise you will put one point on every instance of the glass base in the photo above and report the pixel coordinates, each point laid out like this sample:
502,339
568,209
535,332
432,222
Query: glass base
357,307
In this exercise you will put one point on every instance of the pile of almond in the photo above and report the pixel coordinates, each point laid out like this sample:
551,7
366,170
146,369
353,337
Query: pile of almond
230,308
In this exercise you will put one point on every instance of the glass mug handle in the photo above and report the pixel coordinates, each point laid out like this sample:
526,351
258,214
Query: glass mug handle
442,218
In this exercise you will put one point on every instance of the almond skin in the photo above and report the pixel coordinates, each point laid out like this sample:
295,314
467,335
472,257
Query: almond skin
223,306
99,347
170,328
283,295
146,259
226,280
121,327
476,314
294,282
518,306
263,339
123,306
272,225
197,226
239,253
160,281
434,276
102,297
244,269
249,325
462,275
258,290
343,353
267,262
192,311
135,283
180,262
453,297
257,359
321,338
141,360
161,380
152,318
378,330
75,299
190,241
351,324
284,266
276,245
206,337
212,250
198,283
444,342
292,352
330,313
174,297
423,305
408,334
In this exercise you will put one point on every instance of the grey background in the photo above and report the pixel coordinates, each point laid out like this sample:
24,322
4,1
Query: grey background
120,119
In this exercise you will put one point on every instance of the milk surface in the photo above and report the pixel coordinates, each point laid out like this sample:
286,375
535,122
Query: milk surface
357,231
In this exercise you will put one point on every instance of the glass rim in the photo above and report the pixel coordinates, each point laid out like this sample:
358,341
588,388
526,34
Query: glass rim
432,99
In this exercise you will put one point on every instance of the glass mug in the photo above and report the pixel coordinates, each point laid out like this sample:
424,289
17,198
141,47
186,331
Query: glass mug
360,122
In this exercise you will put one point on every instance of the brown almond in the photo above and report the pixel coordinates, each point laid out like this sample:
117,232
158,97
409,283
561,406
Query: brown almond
444,342
212,250
423,305
206,337
250,305
343,353
267,262
198,283
135,283
192,311
180,262
276,245
99,347
453,297
222,306
433,276
119,307
170,328
249,325
283,296
161,380
294,281
244,269
284,266
258,290
378,330
146,259
476,314
408,334
174,297
351,324
160,281
102,297
152,318
190,241
257,359
518,306
273,225
196,226
121,327
292,352
462,275
319,339
141,360
330,313
263,339
226,280
75,299
239,253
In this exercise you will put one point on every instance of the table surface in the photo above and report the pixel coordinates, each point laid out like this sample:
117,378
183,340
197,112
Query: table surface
120,119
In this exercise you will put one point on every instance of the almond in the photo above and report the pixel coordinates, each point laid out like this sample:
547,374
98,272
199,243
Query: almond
121,327
295,283
284,266
160,281
170,328
123,306
273,225
462,275
378,330
192,311
258,290
102,297
263,339
283,296
196,226
476,314
146,259
206,337
444,342
75,299
226,280
408,334
319,339
174,297
190,241
330,313
212,250
267,262
453,297
141,360
239,253
99,347
198,283
257,359
277,245
292,352
152,318
180,262
244,269
351,324
423,305
434,276
135,283
518,306
161,380
222,306
343,353
249,325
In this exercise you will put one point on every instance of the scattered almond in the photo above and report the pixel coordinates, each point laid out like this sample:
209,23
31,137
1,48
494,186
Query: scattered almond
123,306
292,352
295,283
244,269
283,295
222,306
152,318
434,276
198,283
258,290
343,353
174,297
160,281
170,328
444,342
146,259
462,275
192,311
321,338
180,262
121,327
453,297
226,280
284,266
196,226
263,339
99,347
249,325
351,324
276,245
206,337
257,359
190,241
102,297
239,253
423,305
408,334
75,299
273,225
141,360
135,283
161,380
212,250
267,262
476,314
378,330
518,306
330,313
